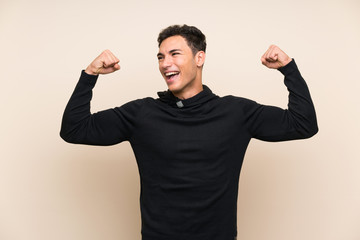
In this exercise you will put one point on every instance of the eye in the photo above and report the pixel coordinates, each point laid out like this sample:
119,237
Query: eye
175,53
160,58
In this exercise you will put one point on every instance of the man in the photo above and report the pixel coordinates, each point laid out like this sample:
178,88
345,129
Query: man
189,143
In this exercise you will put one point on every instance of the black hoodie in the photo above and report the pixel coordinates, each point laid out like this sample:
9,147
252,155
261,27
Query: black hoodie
189,152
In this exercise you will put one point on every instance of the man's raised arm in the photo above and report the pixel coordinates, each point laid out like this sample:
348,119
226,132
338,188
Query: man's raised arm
275,124
105,127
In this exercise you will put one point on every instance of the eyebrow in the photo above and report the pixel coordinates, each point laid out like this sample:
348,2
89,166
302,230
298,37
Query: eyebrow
171,51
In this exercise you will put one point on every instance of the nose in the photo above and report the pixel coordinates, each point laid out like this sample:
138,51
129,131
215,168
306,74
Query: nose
166,62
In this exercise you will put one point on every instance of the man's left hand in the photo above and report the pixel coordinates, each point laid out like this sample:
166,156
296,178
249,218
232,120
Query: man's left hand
275,58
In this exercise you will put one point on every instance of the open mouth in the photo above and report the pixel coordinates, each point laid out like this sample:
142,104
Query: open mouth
171,75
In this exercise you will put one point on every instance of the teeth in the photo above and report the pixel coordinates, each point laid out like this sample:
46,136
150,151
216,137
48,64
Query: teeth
171,73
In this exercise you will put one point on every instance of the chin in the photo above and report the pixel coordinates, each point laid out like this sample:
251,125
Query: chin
174,87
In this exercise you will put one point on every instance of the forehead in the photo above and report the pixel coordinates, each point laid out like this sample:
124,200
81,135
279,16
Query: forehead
174,42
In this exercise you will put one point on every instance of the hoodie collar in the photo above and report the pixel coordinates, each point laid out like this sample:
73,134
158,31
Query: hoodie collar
202,97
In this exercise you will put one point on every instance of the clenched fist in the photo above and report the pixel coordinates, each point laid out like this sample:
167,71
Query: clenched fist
275,58
105,63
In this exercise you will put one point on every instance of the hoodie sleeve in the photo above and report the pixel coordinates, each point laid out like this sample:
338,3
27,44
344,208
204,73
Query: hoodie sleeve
270,123
103,128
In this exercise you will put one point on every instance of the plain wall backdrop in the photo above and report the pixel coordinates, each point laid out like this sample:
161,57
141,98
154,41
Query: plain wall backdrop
49,189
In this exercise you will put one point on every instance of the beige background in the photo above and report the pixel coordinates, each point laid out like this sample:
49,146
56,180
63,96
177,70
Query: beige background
293,190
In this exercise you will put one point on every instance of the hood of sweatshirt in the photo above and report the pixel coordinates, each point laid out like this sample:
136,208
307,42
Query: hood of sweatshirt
204,96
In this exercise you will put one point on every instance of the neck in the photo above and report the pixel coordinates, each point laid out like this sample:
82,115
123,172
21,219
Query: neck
191,89
194,90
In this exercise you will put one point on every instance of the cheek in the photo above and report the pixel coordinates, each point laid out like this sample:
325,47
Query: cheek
184,65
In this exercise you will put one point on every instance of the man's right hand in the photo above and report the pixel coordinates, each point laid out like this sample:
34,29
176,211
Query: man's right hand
105,63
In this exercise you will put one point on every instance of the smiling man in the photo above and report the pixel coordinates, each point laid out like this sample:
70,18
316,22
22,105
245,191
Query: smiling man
181,67
189,143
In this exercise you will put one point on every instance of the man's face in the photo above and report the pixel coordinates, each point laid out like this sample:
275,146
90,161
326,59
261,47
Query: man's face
178,66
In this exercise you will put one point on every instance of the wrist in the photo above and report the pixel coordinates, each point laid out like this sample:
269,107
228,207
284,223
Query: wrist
287,61
288,68
90,71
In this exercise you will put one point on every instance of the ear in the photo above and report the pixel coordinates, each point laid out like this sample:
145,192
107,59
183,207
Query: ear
200,58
